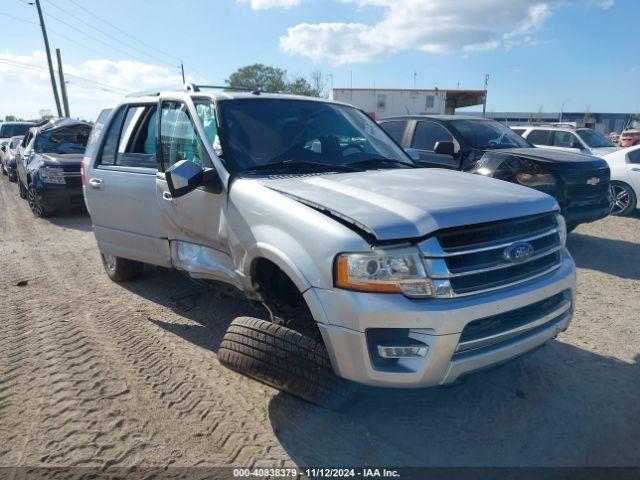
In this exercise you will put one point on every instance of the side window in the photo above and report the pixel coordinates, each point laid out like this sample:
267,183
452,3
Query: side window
395,129
178,137
563,139
92,143
519,131
427,134
207,114
539,137
110,148
634,157
136,147
26,139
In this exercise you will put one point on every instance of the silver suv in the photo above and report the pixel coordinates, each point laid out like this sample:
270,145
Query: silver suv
370,267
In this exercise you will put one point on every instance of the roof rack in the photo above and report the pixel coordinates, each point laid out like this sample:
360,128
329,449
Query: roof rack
192,87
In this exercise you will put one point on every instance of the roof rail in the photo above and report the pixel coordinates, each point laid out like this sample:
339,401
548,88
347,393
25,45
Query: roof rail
191,87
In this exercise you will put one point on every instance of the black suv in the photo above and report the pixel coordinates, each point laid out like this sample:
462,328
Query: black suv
49,167
580,183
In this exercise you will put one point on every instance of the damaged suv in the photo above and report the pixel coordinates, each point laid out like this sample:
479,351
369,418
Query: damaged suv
372,269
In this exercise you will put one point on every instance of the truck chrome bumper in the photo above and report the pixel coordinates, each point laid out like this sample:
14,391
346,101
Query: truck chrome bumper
352,318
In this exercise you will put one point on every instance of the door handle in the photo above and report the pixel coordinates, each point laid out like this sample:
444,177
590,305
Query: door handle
167,196
636,169
95,183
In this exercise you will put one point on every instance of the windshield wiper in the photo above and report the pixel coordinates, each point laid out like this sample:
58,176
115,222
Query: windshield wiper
382,160
301,165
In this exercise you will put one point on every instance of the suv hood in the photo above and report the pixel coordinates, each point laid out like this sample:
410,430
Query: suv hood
554,159
411,203
601,151
62,159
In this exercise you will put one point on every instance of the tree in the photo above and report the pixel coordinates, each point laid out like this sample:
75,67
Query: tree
10,118
272,79
259,77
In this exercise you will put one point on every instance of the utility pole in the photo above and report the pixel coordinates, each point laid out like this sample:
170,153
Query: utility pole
63,85
415,76
182,69
48,50
486,85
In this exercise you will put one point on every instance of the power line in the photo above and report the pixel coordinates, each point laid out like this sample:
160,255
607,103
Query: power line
106,34
39,68
122,31
19,19
137,39
92,37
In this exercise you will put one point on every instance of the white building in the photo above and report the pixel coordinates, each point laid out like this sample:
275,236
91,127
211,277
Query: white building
390,102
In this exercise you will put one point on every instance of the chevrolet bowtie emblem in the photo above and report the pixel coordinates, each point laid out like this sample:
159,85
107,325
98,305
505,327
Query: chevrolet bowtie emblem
593,181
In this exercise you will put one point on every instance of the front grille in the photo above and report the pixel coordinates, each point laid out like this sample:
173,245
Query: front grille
502,322
491,332
578,184
473,259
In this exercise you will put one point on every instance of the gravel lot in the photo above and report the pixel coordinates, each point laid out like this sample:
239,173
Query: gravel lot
97,374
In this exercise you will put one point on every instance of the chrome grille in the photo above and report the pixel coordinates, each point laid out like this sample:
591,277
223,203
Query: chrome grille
579,184
470,260
493,331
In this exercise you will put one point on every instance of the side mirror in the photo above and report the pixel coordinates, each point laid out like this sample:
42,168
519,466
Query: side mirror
577,144
413,153
186,176
444,148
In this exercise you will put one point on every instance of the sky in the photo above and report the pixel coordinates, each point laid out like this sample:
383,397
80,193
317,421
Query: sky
542,55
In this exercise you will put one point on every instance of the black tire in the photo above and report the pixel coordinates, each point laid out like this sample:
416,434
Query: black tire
12,177
284,359
4,170
36,206
121,269
21,190
624,199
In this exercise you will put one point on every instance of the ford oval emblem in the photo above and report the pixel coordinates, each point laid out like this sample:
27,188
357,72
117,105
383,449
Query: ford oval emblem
518,252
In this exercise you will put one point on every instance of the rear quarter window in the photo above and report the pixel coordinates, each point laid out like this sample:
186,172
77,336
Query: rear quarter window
539,137
395,129
634,157
92,143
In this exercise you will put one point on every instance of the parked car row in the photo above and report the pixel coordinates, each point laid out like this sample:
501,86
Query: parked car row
45,162
579,183
372,268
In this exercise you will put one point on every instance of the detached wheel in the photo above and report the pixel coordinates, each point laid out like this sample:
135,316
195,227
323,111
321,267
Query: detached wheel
121,269
284,359
22,191
35,204
623,199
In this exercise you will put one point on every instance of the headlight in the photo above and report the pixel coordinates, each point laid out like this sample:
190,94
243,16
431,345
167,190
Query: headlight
52,175
389,271
535,179
562,229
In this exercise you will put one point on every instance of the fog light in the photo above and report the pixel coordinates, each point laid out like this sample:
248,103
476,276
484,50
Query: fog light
413,350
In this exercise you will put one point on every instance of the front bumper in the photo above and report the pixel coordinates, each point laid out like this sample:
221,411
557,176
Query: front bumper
60,197
577,212
438,323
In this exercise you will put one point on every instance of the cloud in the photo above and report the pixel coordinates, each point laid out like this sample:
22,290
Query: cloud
24,80
434,26
266,4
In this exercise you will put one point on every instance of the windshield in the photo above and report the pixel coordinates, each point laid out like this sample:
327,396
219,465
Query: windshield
488,134
594,139
7,131
286,134
63,140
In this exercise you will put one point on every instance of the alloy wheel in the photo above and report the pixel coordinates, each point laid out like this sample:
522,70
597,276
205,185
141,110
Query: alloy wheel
34,204
620,198
110,261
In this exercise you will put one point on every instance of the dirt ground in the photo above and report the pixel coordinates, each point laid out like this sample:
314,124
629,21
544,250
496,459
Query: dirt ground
98,374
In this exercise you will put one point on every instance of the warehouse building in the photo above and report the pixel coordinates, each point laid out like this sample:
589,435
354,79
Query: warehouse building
602,122
389,102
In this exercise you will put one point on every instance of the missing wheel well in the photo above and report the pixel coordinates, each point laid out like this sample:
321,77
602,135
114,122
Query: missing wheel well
282,298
